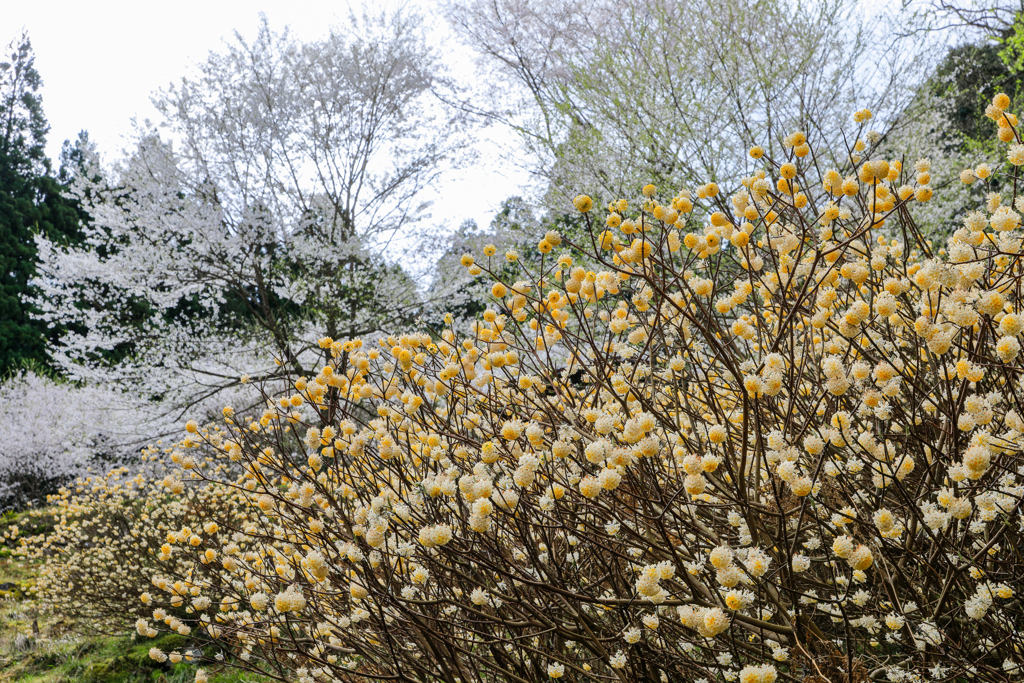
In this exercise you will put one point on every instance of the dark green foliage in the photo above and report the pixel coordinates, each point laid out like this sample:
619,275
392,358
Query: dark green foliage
970,75
967,79
31,203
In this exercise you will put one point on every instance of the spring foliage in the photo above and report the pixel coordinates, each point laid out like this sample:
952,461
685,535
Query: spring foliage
612,94
774,435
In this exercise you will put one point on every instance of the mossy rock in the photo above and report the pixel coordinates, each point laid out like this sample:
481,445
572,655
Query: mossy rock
99,671
16,590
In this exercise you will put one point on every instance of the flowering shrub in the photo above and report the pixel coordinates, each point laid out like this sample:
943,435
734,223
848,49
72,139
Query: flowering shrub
771,436
106,545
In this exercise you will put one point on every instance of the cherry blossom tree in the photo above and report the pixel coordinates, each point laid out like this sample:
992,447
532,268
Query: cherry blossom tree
52,432
268,206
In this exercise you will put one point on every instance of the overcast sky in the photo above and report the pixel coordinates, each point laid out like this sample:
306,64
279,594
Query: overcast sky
101,59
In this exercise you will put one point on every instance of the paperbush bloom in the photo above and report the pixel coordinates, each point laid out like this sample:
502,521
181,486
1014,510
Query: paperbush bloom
814,464
119,538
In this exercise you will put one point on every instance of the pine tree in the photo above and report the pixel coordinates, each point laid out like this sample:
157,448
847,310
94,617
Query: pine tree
31,203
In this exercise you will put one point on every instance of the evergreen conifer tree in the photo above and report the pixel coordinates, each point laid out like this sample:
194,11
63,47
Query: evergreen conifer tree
31,202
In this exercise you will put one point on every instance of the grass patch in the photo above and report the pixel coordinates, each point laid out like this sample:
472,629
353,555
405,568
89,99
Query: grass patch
93,660
101,659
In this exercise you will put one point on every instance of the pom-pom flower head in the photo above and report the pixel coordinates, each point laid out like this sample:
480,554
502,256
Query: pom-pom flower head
583,203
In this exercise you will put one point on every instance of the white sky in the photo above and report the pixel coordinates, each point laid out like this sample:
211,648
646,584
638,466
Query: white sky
101,59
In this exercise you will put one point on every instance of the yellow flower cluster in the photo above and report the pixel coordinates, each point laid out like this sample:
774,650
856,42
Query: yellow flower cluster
116,533
738,428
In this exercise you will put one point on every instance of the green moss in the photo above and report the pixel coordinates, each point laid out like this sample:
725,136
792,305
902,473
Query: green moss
106,660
